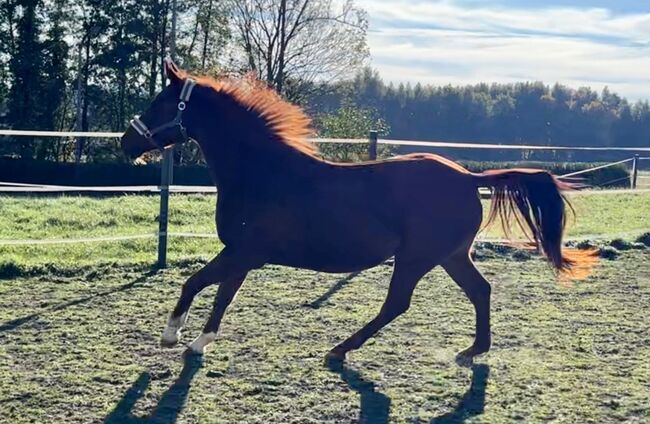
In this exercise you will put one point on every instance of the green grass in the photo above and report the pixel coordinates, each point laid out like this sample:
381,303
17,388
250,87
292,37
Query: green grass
84,348
79,334
71,217
606,215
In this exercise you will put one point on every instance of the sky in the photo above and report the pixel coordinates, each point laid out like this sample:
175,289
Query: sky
594,43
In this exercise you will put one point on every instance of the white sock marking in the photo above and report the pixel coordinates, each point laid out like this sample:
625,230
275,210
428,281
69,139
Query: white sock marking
199,344
172,332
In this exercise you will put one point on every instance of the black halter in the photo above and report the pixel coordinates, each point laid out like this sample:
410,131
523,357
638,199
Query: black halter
144,130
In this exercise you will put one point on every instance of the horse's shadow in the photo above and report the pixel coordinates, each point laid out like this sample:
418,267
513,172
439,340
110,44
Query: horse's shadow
170,404
472,402
375,406
19,322
317,303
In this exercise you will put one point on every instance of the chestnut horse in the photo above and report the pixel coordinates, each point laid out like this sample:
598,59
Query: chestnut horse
280,203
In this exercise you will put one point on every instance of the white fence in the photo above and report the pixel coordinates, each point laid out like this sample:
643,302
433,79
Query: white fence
165,188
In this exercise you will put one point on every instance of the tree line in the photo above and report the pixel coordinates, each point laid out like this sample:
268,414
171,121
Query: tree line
529,113
90,65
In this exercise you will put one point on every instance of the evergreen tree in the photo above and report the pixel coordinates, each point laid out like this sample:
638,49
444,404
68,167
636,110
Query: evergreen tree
54,77
25,101
92,64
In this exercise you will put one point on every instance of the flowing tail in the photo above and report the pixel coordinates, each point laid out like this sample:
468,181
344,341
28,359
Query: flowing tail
534,199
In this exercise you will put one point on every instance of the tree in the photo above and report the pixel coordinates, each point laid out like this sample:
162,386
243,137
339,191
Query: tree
26,65
351,122
202,44
300,40
91,24
55,76
7,52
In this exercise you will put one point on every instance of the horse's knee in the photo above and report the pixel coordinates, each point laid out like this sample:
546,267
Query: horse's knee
396,309
192,286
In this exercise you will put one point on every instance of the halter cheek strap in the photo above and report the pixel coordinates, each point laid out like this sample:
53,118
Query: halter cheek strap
142,128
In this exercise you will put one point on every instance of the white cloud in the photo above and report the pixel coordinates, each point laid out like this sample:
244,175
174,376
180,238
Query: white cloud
443,43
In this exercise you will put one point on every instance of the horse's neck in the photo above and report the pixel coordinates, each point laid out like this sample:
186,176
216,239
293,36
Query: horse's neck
238,149
221,164
235,158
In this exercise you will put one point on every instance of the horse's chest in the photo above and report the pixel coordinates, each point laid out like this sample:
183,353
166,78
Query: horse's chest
230,219
241,217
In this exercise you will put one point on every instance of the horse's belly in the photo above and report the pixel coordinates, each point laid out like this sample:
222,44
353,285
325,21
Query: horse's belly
339,250
323,262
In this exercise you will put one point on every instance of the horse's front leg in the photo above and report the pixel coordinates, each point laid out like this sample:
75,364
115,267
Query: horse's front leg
227,291
229,265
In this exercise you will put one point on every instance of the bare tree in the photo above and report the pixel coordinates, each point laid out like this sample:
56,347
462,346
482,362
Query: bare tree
300,40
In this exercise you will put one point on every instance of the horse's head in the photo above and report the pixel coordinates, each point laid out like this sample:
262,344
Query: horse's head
161,125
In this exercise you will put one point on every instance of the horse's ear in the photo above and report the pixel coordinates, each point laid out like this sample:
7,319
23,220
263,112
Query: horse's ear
172,71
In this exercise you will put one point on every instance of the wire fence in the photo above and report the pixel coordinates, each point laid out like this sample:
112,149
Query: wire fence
372,142
393,142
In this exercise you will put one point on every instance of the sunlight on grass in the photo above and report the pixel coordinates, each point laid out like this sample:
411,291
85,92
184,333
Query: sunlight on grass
61,217
570,354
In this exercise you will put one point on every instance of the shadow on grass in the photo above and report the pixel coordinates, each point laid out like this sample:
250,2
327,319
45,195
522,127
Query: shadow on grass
329,293
18,322
473,402
170,404
374,406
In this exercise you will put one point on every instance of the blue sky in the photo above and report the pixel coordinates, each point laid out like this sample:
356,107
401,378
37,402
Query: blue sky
593,43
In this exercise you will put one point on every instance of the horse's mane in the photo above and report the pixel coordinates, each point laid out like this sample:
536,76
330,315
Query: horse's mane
287,121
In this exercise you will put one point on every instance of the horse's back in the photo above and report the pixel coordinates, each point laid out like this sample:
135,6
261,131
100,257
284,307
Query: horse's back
358,215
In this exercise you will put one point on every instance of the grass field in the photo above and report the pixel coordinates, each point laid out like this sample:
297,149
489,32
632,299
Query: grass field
84,348
597,216
79,329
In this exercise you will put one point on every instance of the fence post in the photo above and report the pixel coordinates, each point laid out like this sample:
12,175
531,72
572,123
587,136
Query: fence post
166,176
372,145
635,170
167,170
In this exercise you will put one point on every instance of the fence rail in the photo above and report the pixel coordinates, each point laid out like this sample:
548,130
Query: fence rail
113,239
371,140
165,188
8,187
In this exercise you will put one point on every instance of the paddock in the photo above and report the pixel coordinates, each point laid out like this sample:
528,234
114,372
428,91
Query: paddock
80,324
83,300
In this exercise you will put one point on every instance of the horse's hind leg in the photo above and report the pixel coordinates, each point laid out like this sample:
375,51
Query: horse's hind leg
405,278
463,271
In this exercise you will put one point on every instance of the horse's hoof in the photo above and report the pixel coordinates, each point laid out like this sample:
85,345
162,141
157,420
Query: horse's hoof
170,336
465,358
335,356
190,354
168,341
193,349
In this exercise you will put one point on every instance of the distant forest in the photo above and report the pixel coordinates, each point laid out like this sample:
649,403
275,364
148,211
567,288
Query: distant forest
520,113
90,65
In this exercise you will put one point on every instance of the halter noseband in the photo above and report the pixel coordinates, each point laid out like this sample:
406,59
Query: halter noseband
144,131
